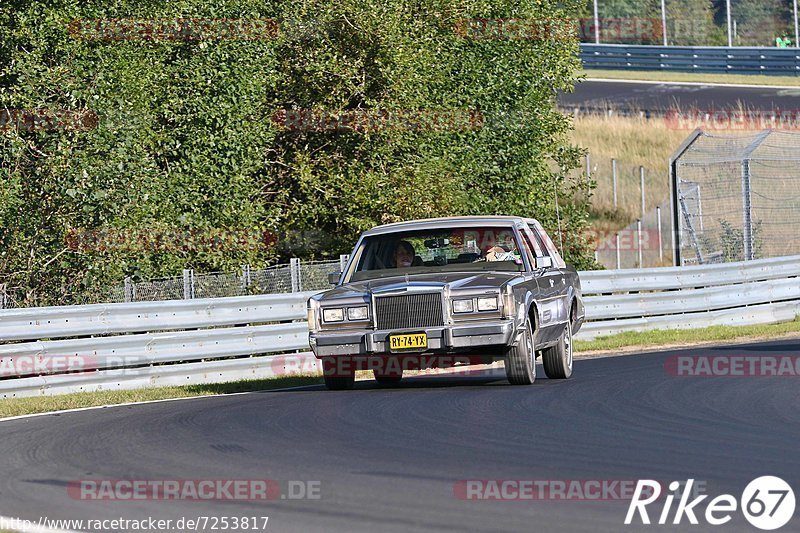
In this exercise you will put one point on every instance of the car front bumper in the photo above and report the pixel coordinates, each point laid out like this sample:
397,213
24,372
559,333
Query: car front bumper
441,339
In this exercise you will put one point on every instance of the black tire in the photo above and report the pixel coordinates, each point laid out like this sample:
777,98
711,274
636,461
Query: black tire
338,376
520,360
388,379
557,361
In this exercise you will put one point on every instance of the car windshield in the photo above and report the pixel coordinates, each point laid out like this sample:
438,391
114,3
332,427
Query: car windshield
439,250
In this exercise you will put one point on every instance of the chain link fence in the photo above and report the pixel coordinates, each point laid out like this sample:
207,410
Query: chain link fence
642,244
297,276
737,196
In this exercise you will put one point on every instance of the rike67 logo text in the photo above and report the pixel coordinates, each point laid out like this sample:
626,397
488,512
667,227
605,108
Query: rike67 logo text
767,503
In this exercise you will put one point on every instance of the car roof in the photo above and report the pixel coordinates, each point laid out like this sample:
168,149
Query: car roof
467,221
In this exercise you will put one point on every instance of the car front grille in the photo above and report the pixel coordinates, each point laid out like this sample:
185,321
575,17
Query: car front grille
409,311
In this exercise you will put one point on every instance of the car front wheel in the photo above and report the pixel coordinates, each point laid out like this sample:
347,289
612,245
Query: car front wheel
520,360
339,374
388,378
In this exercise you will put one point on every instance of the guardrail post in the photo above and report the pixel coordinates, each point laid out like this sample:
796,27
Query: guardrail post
343,258
294,269
128,297
188,283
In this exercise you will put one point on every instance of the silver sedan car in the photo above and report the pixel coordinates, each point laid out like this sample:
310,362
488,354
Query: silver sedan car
445,292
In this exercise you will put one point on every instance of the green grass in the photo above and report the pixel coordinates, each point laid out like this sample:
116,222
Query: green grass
40,404
743,79
632,141
687,336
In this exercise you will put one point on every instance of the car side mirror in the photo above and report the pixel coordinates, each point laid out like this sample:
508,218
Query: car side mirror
544,262
333,277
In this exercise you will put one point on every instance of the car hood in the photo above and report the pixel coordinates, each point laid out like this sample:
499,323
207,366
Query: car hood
451,280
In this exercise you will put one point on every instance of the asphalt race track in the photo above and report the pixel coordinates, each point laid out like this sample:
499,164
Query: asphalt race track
660,97
388,459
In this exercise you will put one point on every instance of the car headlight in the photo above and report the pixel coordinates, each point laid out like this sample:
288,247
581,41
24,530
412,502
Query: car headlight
358,313
487,304
462,306
333,315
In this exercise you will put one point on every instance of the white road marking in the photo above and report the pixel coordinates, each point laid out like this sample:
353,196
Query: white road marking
698,83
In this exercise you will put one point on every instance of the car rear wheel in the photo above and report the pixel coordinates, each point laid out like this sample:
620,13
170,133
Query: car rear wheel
557,361
520,360
338,375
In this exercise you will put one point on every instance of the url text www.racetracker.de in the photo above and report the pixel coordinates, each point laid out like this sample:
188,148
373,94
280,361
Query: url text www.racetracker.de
195,523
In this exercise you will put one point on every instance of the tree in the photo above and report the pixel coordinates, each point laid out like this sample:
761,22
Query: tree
186,142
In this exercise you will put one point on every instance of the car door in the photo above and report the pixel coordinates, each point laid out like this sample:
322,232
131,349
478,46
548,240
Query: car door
552,286
532,281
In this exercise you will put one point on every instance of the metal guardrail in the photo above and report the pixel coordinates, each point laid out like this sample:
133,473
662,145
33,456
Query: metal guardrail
667,278
100,319
118,346
738,59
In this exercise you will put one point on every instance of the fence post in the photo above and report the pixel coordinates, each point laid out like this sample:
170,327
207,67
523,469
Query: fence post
294,269
128,290
639,241
616,238
3,296
660,242
588,175
641,180
188,283
747,228
614,180
246,279
343,258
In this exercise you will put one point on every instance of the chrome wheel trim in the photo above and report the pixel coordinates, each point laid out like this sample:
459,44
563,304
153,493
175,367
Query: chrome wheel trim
529,346
568,346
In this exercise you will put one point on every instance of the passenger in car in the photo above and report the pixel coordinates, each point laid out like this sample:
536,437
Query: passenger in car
404,254
498,253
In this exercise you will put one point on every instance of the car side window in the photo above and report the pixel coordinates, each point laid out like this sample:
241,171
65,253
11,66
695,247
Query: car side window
526,243
541,249
547,244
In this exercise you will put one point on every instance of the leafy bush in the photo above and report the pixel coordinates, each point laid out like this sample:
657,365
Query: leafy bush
185,141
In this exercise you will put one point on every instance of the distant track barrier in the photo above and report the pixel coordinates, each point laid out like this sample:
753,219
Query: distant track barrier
709,59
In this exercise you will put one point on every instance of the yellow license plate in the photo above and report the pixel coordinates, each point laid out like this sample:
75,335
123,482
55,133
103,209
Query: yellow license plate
411,341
